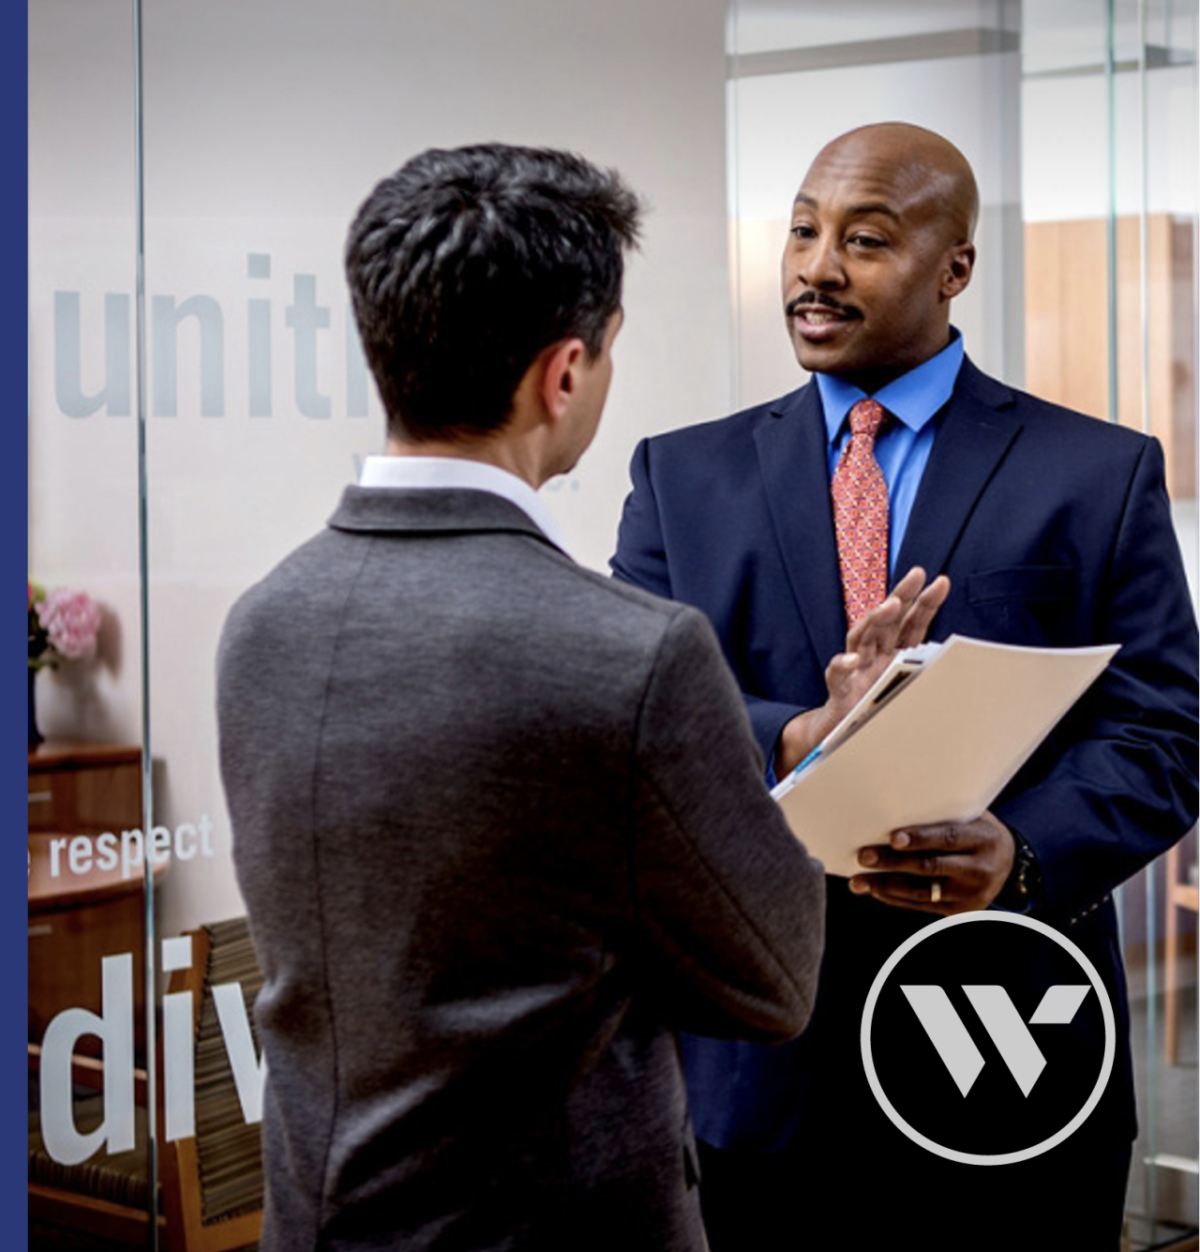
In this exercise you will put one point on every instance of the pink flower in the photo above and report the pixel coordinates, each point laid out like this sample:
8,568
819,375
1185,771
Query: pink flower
72,621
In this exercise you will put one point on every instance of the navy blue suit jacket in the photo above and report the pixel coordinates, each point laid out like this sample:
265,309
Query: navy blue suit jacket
1054,529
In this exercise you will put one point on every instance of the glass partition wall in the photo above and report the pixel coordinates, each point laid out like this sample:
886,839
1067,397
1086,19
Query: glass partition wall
264,126
199,401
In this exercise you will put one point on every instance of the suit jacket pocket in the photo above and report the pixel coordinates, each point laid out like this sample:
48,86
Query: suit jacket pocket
1023,583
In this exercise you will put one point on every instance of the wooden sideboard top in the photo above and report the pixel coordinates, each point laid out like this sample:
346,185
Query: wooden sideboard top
55,754
67,888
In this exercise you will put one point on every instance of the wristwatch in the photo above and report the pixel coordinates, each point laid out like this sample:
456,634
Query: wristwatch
1024,886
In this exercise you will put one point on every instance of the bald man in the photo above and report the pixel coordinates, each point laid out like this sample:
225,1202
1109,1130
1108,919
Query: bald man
1054,530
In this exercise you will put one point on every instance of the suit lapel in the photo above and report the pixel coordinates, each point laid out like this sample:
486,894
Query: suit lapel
792,459
974,436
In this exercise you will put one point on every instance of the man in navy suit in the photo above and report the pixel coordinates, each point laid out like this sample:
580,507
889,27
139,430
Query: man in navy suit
1054,530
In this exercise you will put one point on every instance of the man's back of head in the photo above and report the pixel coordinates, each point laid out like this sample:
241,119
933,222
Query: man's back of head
465,264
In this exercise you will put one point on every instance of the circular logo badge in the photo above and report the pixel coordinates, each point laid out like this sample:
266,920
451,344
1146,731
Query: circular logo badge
988,1038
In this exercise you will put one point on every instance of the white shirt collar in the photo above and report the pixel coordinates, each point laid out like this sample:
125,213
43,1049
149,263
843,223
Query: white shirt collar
425,472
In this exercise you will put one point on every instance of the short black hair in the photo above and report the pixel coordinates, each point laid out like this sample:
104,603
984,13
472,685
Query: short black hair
466,263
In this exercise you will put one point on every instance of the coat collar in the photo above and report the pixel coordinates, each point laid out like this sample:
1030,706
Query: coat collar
447,510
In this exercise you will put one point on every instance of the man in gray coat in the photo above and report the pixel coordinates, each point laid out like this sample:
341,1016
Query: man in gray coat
499,822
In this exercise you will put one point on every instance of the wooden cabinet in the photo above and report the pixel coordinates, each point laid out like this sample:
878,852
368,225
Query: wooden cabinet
85,788
86,900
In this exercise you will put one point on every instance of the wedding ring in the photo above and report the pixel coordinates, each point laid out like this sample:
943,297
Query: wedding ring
935,892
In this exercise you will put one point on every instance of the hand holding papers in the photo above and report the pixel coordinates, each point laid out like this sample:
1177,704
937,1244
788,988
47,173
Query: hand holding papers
936,738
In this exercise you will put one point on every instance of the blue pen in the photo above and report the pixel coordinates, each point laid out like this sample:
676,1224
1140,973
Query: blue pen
809,759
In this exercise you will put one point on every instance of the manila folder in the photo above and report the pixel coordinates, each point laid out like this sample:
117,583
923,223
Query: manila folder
941,750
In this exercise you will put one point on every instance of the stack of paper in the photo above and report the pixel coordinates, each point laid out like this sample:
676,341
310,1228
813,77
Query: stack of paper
935,739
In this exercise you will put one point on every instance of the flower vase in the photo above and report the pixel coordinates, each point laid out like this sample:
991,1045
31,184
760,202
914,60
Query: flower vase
35,735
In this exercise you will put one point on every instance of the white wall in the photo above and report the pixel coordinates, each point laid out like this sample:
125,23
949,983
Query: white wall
1066,151
266,124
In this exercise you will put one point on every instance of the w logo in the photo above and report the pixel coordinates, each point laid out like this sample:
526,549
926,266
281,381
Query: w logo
1002,1022
1002,998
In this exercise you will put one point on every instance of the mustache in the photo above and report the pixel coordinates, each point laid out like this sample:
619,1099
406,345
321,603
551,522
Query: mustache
820,298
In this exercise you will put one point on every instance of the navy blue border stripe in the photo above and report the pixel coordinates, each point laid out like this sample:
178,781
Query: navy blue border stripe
14,370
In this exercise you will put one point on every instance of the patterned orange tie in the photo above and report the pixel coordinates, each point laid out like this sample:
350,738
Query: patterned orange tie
860,514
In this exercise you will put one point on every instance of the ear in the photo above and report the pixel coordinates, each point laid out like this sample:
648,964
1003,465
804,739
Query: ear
959,268
558,381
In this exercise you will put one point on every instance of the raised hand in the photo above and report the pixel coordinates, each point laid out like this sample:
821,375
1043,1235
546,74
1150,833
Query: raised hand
899,622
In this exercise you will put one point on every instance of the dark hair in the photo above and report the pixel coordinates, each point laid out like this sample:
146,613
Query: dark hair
467,263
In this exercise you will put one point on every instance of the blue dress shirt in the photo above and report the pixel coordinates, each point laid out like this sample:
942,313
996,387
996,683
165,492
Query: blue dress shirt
903,446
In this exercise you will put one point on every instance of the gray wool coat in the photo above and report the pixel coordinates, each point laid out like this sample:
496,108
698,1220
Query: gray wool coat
501,831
